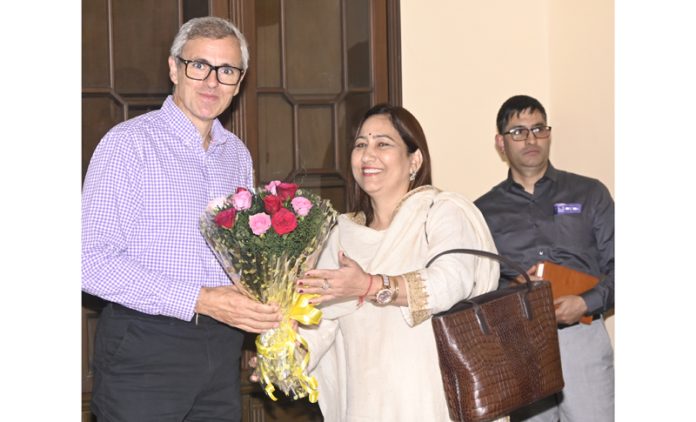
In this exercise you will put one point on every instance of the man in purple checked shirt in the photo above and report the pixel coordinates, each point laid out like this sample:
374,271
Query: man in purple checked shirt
168,344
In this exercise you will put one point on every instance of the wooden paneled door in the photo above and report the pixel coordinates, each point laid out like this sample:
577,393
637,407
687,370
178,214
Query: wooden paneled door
316,66
320,64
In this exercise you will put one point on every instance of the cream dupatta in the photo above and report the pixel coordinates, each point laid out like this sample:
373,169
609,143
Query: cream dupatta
426,222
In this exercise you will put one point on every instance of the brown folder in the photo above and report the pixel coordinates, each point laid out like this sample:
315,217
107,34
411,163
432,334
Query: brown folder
566,281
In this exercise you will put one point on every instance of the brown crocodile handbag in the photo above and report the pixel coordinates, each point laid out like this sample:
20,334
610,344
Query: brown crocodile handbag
498,351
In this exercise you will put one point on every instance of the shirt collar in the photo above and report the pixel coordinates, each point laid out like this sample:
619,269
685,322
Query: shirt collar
551,174
217,133
185,128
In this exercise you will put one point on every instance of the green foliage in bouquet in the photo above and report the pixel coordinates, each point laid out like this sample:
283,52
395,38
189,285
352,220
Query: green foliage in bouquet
279,223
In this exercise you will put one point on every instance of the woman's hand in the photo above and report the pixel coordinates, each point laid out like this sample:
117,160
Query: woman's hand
349,281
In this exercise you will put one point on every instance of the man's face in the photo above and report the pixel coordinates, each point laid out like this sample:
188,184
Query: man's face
202,101
531,154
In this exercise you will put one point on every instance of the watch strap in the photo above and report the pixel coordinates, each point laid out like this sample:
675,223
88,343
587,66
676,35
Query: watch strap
386,283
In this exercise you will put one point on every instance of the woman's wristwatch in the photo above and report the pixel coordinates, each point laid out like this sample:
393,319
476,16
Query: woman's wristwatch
388,292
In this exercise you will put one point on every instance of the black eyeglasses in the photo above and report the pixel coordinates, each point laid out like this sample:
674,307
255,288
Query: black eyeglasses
522,133
199,71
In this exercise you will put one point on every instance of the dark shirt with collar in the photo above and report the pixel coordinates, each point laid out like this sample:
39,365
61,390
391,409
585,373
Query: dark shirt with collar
569,220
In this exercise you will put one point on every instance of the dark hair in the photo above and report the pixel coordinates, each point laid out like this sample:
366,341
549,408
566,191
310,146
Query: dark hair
412,133
516,105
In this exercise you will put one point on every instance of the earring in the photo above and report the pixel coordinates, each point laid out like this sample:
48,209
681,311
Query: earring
412,176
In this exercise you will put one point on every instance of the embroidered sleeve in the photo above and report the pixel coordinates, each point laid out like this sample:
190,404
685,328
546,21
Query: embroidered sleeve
417,298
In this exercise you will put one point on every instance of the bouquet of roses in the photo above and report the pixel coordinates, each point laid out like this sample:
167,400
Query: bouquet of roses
264,241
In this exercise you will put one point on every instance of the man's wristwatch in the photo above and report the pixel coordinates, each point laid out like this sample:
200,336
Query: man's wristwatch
388,292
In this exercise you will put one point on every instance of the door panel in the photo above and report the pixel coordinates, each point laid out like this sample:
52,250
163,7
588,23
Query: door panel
317,80
275,137
313,46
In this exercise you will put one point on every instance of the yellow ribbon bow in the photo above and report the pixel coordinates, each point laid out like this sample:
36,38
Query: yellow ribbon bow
277,358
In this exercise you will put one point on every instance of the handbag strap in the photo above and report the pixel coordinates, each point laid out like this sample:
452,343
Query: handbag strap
526,306
487,254
478,252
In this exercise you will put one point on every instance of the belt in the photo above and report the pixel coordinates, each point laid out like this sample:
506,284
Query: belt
562,326
197,319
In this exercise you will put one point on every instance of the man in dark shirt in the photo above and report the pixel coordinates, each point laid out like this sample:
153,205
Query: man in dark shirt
539,214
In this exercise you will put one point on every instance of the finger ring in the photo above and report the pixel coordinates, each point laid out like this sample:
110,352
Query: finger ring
326,284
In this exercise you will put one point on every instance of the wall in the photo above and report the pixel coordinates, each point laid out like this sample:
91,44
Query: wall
462,59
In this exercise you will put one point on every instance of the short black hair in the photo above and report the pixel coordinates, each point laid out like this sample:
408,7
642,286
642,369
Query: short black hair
513,106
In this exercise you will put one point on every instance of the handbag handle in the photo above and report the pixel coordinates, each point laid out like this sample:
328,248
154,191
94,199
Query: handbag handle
526,306
487,254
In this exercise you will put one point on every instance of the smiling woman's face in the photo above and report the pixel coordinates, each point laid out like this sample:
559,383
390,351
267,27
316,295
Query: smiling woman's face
380,161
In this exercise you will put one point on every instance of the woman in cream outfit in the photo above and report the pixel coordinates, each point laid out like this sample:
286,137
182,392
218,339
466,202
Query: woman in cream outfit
378,361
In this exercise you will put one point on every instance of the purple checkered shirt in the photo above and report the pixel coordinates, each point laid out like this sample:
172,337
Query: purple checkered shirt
148,182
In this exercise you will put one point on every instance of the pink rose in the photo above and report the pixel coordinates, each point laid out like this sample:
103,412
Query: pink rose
225,218
284,221
286,191
271,187
271,204
260,223
241,200
215,204
240,189
301,205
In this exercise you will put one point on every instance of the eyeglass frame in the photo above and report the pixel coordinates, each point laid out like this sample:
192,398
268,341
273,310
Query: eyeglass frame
529,130
210,69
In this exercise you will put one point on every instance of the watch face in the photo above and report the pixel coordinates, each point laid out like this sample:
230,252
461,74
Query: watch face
384,296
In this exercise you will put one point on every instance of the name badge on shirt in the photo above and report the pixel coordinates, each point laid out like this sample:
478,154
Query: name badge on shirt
562,208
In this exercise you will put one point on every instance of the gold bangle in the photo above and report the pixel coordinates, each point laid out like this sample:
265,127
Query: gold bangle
394,283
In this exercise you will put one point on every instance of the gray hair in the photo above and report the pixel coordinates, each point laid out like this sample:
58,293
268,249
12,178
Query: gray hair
209,27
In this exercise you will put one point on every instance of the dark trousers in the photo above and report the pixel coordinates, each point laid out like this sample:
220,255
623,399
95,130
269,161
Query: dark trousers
155,368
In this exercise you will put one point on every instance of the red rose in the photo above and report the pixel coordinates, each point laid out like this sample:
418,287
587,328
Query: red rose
271,204
286,191
240,189
225,218
283,221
